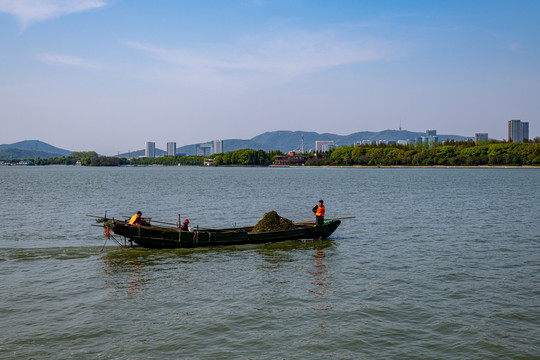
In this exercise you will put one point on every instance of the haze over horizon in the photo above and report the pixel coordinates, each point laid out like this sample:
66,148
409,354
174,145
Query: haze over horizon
109,75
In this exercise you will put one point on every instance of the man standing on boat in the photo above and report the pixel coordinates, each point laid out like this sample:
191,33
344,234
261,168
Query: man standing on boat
185,227
136,219
319,213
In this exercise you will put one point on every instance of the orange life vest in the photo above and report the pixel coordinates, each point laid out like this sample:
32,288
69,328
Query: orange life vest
135,219
320,210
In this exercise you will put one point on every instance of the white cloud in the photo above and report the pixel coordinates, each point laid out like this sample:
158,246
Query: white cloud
29,11
285,56
514,47
64,60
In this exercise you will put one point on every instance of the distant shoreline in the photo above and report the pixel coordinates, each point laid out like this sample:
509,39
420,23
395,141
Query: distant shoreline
433,167
298,167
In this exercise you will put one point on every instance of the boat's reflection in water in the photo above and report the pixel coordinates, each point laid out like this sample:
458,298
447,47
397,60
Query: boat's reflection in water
222,291
126,274
130,268
321,278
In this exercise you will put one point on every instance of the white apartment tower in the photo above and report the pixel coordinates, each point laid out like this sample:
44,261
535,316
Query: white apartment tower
480,137
150,149
218,146
323,146
518,131
171,149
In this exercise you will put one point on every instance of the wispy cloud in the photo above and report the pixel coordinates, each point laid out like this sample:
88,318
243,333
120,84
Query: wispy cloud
285,56
29,11
514,47
64,60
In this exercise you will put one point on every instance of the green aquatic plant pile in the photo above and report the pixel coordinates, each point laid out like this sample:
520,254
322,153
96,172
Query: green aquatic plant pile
271,221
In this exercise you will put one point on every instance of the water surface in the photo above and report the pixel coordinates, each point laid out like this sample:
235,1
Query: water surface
438,263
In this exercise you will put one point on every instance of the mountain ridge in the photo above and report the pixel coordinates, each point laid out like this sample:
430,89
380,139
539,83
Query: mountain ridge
283,140
31,149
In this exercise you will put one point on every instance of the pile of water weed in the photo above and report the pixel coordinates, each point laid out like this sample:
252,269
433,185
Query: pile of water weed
271,221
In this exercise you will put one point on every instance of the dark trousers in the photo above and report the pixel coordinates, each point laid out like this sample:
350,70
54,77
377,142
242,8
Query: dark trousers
319,220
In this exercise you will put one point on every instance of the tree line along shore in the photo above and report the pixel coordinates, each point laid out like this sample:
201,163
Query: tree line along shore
449,153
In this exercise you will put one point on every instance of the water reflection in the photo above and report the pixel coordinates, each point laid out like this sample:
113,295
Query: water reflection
284,251
135,280
321,280
131,279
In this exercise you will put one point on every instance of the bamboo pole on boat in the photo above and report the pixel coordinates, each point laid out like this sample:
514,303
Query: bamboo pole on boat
97,217
313,221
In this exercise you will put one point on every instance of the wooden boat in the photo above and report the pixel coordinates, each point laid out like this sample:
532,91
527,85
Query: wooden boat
165,237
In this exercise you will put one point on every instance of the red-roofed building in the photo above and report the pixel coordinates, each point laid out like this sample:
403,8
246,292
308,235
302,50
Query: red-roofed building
293,159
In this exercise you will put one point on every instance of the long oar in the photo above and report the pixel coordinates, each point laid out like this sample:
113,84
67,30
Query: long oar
97,217
155,221
308,222
339,218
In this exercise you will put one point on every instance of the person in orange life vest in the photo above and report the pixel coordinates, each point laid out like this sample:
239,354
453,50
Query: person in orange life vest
319,213
185,227
136,219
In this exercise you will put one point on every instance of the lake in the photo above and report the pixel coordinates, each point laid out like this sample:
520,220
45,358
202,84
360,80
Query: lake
438,264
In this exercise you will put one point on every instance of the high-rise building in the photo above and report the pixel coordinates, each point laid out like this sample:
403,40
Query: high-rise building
150,149
430,138
514,131
203,149
218,146
480,137
323,146
525,130
518,131
171,149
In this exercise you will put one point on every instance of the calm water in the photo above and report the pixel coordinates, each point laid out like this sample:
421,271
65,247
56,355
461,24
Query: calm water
438,264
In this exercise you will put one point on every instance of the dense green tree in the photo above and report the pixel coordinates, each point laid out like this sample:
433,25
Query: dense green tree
448,153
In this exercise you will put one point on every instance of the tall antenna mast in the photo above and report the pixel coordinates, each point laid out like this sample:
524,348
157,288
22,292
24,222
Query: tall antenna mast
302,150
400,125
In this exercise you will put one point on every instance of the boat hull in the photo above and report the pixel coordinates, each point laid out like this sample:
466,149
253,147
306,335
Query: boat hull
155,237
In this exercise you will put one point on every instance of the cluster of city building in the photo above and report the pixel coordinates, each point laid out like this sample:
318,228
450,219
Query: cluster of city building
518,131
213,147
430,137
16,163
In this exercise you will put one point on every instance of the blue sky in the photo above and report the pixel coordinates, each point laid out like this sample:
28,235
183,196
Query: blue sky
108,75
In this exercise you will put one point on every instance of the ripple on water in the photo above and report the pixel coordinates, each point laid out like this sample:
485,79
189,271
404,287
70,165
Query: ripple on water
430,268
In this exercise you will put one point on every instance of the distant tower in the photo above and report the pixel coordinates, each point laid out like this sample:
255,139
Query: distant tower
480,137
203,149
150,150
399,125
525,130
171,149
218,146
302,150
518,131
323,146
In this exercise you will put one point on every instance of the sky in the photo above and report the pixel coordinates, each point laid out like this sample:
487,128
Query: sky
109,75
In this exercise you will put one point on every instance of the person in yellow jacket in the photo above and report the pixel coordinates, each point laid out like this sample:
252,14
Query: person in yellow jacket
136,219
319,213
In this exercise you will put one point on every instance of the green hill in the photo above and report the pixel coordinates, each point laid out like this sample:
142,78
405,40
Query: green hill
16,154
30,149
229,145
282,140
140,153
33,147
292,140
286,141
